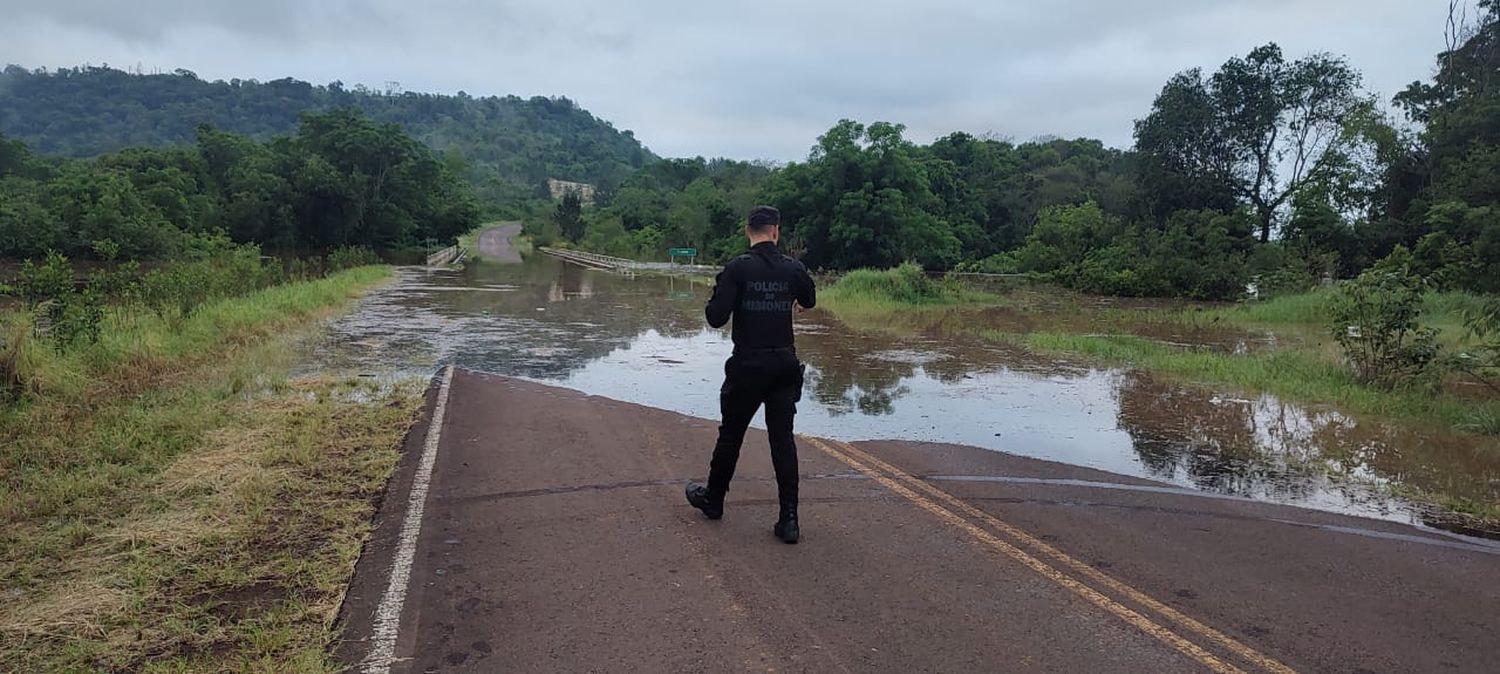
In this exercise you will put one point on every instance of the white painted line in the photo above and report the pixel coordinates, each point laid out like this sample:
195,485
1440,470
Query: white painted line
388,614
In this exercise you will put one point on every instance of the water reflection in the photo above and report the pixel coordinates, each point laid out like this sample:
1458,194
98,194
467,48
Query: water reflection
643,340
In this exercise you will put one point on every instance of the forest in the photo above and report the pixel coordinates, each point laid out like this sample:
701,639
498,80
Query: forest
506,147
340,180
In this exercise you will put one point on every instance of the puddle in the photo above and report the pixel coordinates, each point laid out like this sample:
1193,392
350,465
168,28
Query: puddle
643,340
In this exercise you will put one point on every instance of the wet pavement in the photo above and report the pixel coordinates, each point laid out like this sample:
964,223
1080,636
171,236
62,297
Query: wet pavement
643,340
534,528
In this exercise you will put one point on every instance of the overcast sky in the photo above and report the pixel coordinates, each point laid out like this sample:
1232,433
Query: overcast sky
746,80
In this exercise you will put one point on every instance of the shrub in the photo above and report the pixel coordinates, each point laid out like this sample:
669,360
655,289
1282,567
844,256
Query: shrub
75,318
1113,270
214,268
906,284
1482,361
12,344
1197,254
119,284
349,257
66,315
1375,321
51,280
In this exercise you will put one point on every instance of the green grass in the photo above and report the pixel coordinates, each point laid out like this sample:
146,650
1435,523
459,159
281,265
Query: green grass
470,241
171,501
136,345
1309,309
868,292
1440,309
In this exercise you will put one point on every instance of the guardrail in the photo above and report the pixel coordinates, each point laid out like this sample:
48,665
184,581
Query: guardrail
449,255
596,260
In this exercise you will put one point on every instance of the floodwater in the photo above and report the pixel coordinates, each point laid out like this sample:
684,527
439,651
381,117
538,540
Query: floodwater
643,340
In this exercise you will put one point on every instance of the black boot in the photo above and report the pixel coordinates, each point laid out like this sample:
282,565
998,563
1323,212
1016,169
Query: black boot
697,496
786,526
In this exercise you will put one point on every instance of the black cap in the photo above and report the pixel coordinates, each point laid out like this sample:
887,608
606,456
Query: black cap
762,217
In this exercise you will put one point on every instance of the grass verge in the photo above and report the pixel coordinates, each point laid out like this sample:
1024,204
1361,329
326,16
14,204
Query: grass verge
170,501
470,241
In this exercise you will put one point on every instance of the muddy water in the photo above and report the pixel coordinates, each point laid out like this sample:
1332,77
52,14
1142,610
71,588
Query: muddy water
643,340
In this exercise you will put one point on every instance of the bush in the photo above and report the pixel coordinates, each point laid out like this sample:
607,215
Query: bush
12,344
906,284
1462,249
1375,321
543,232
349,257
1197,254
999,263
215,267
75,318
1482,361
119,284
51,280
1113,270
66,315
1290,268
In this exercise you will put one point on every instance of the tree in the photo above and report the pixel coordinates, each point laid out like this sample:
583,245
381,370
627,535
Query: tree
1184,158
863,199
1260,128
1443,194
569,216
509,143
344,180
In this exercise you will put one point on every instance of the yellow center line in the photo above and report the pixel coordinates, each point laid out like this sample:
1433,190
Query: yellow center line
1259,659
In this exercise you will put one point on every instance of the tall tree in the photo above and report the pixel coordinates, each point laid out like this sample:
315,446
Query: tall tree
1260,128
863,199
1453,211
569,216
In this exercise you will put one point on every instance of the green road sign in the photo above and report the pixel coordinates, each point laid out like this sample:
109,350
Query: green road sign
682,295
684,252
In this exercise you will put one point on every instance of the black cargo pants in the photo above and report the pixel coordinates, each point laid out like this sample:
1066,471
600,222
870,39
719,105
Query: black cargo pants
772,377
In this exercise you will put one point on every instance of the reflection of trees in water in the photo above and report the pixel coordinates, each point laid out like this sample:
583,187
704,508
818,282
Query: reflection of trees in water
843,379
1220,444
1266,446
845,391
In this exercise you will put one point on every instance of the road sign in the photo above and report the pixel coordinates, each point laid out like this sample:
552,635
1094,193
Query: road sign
684,252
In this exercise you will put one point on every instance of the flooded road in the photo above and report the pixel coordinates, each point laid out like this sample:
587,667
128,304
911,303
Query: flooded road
643,340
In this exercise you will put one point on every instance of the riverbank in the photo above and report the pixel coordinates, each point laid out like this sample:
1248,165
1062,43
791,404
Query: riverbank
172,499
1279,347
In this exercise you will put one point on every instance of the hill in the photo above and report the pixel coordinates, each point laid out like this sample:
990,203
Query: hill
506,146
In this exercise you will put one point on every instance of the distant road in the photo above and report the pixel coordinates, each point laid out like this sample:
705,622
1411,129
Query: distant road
494,243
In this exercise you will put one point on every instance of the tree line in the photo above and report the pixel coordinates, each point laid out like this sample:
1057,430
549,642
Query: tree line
506,147
340,180
1269,169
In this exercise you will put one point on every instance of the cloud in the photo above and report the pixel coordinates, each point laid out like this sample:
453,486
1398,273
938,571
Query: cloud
749,80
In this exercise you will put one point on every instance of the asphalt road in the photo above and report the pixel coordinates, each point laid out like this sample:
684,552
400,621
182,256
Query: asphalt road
553,536
494,243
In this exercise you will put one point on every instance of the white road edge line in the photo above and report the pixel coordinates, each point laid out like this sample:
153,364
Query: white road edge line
388,614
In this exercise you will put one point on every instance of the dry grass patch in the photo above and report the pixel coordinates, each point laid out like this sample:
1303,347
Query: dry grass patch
237,557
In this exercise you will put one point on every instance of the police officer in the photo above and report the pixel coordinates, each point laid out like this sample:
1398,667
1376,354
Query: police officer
760,290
